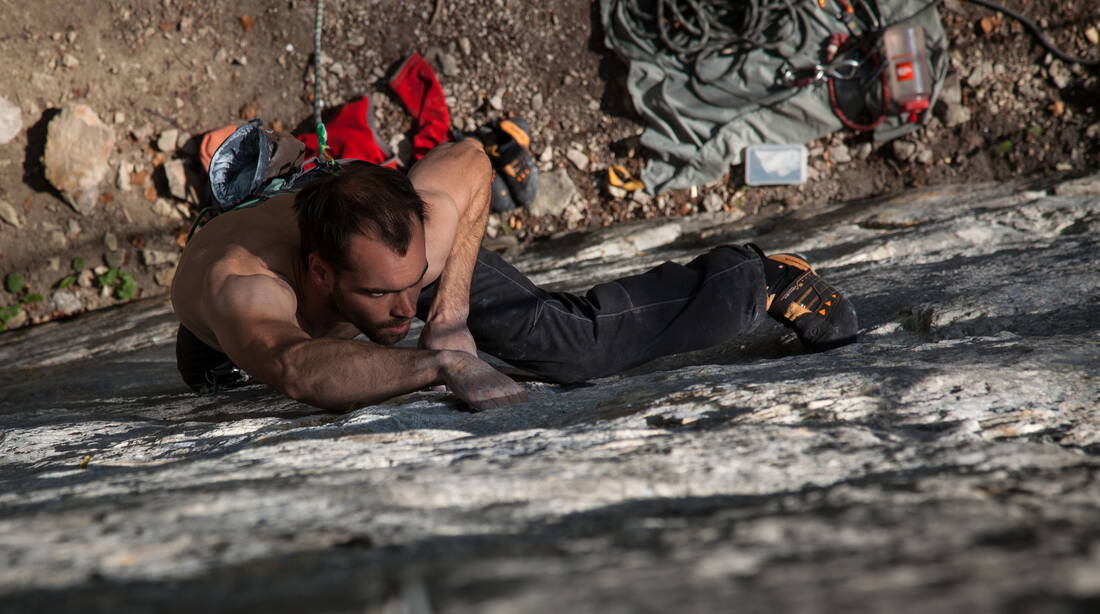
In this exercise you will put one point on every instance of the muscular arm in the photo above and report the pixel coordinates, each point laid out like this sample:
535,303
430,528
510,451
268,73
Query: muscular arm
454,181
254,320
253,317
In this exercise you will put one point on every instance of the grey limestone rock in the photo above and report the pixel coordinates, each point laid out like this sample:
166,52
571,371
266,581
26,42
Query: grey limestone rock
556,191
946,462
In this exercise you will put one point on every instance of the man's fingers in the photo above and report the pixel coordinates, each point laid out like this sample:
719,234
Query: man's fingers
489,403
483,387
497,401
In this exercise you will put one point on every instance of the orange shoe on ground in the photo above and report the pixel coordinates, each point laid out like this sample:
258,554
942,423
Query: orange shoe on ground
800,299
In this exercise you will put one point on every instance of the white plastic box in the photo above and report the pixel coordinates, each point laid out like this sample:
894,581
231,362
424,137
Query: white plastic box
775,164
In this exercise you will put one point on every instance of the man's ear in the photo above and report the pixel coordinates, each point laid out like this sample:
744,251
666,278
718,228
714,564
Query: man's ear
320,272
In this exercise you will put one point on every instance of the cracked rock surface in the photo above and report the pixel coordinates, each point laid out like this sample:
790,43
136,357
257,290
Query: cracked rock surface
947,462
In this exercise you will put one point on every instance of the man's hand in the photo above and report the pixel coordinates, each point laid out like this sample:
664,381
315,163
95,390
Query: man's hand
478,384
453,335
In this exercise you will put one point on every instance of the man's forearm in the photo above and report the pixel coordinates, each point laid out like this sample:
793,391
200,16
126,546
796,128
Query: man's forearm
343,374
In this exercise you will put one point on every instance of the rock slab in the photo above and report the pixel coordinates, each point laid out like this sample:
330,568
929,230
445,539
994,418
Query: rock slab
78,147
949,461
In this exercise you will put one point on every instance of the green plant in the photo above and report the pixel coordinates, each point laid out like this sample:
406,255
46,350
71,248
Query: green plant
8,312
78,264
1003,147
108,279
121,282
126,289
66,282
14,283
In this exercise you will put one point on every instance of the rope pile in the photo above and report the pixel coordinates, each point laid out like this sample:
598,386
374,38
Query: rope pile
695,31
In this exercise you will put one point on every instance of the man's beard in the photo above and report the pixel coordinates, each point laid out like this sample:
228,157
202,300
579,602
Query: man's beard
373,331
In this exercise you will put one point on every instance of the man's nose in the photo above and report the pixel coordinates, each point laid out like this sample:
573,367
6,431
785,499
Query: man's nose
405,305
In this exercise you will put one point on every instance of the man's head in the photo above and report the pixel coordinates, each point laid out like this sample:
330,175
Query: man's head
362,240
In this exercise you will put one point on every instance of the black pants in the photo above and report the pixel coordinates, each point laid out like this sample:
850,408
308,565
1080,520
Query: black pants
567,338
616,325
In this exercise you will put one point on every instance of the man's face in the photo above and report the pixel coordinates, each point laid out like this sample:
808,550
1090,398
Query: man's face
378,292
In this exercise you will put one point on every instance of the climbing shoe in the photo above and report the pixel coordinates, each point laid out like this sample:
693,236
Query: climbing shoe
508,143
502,199
822,317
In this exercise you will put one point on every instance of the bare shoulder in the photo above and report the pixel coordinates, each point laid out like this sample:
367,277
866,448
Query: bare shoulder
236,254
447,180
455,169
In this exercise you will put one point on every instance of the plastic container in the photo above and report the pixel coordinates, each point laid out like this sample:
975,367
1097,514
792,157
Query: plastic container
775,164
908,70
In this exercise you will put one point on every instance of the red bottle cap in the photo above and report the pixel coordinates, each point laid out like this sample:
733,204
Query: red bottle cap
914,108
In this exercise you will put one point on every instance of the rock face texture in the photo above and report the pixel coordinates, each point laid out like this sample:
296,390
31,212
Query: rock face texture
947,462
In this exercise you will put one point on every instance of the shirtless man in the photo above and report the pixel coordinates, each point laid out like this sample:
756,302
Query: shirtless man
280,290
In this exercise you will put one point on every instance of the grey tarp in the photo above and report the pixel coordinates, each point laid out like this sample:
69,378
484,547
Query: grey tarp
696,131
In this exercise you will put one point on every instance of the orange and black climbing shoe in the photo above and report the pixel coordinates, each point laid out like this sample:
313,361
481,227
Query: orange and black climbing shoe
822,317
501,201
508,143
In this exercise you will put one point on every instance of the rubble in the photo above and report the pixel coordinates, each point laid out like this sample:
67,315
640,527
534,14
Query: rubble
166,142
156,257
10,215
11,121
556,191
78,147
577,158
65,302
176,175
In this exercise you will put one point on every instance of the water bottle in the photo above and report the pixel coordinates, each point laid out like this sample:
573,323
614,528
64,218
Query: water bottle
908,70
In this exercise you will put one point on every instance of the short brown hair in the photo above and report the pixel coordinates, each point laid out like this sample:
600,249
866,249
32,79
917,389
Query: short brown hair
360,197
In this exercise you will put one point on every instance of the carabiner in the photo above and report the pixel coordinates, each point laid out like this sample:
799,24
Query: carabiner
843,70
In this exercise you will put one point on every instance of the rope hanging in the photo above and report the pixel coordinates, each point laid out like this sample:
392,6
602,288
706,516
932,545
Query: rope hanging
324,157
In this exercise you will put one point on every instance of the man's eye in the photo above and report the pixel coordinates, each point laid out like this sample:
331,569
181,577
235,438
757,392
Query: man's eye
376,294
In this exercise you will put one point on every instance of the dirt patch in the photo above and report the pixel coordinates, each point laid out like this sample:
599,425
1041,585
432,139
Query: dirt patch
151,67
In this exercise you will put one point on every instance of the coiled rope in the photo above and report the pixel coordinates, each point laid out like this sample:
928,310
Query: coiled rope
694,31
